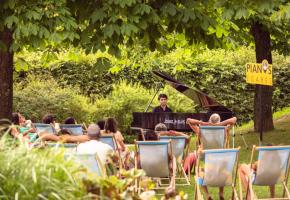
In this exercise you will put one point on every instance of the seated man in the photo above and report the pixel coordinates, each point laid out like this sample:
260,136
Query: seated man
94,145
161,129
214,120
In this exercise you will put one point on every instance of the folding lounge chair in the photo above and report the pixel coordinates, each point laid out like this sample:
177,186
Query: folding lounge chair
180,150
157,160
272,169
110,140
68,147
220,170
48,128
75,129
90,162
213,137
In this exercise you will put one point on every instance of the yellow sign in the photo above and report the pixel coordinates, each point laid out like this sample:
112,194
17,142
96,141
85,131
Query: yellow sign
259,73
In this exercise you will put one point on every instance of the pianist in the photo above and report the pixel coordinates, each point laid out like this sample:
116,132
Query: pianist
163,104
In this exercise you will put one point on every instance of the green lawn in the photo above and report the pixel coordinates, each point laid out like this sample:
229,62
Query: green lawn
279,136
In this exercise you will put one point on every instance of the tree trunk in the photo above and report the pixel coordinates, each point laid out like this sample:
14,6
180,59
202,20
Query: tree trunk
6,75
263,94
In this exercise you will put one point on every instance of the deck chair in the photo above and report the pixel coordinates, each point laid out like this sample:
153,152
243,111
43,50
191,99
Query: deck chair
68,147
272,169
220,170
110,140
212,137
48,128
74,129
90,162
180,150
155,158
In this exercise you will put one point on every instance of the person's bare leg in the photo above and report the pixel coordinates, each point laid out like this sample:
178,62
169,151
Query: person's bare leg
204,188
244,172
272,190
221,193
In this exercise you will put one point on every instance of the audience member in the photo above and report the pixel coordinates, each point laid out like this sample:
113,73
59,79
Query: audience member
94,145
111,128
101,124
70,120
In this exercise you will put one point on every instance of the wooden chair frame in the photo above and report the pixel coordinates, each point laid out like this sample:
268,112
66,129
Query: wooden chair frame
198,194
284,183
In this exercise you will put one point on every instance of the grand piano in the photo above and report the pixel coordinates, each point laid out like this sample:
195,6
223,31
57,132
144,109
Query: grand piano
177,121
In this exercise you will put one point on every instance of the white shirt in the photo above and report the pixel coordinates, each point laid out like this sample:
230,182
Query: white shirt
94,146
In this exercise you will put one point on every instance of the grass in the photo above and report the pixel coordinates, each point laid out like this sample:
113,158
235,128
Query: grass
279,136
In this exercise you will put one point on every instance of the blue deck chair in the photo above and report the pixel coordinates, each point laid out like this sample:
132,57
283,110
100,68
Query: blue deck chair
272,169
213,137
220,170
48,128
155,158
67,147
75,129
110,140
90,162
180,150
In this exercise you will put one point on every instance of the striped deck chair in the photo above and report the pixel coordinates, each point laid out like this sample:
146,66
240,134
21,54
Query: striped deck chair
110,140
157,160
90,162
220,170
212,137
180,150
68,147
48,128
75,129
272,168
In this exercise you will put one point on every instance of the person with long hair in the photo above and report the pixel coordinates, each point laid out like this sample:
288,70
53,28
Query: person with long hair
111,127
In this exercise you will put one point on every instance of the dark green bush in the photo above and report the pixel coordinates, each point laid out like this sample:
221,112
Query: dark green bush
40,97
219,73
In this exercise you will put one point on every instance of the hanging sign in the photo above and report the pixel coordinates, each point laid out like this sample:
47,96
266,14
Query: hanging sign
259,73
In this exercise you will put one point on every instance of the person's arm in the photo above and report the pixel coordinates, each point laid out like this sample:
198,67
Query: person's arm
48,137
120,140
31,130
197,122
14,132
228,122
74,138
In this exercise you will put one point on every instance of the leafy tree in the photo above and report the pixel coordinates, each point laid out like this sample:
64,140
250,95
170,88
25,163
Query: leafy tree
96,25
267,24
29,24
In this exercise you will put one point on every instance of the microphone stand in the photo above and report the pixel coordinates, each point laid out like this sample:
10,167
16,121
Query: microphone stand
149,103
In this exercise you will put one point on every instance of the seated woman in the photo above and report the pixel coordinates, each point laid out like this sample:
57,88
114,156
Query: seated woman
111,128
21,129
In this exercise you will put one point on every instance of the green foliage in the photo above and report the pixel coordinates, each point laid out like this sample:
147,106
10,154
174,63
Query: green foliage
219,73
40,97
36,174
37,23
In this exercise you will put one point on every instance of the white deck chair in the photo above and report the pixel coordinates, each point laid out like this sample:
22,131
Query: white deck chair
75,129
40,127
213,137
179,149
67,147
111,140
220,170
155,158
90,162
272,169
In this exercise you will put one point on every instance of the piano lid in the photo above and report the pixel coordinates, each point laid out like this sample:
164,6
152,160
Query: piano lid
197,96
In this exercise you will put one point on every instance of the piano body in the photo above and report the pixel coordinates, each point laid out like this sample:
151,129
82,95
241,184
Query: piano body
177,121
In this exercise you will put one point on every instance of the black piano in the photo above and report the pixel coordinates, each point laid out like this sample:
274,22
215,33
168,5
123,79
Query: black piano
177,121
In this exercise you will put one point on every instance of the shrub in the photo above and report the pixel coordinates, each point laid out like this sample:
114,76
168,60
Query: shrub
36,174
40,97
